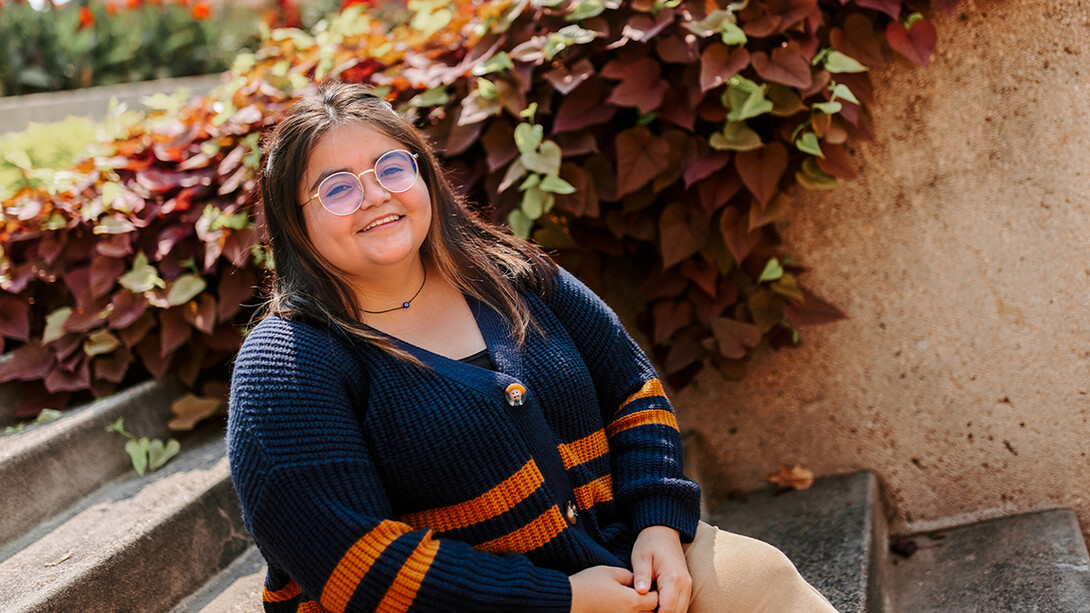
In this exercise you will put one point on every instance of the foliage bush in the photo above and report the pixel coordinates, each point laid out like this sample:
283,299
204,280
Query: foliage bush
666,134
101,43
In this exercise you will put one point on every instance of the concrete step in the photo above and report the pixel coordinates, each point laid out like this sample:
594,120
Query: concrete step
236,589
1024,563
53,465
834,532
10,393
137,544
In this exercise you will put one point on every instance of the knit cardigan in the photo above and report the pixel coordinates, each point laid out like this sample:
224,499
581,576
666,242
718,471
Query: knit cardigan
369,483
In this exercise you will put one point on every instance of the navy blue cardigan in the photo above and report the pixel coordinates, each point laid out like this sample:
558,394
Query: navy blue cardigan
370,483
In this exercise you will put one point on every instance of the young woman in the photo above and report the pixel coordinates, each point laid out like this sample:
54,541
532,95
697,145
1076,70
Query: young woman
434,417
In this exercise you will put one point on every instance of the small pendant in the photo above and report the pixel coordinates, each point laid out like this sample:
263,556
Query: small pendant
404,305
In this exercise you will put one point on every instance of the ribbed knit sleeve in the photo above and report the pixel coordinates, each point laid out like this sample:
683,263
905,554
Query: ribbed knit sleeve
313,500
641,427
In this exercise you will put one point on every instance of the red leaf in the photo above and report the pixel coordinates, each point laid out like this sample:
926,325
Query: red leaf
78,282
889,7
148,350
736,233
707,308
705,163
499,145
717,190
643,28
641,86
236,286
670,316
201,313
583,202
584,107
857,40
836,162
761,170
915,44
104,274
85,319
734,337
461,137
718,63
174,329
115,245
786,65
127,308
674,50
641,156
702,273
683,352
112,367
775,211
565,79
812,311
226,339
138,330
14,318
62,380
659,284
27,363
946,6
680,234
35,398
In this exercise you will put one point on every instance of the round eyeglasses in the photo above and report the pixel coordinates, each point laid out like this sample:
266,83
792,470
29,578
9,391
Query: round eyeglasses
341,193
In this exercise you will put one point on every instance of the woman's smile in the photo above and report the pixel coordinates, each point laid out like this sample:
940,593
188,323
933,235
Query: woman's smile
382,222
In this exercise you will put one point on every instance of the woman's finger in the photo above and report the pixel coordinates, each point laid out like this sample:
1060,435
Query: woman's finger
642,569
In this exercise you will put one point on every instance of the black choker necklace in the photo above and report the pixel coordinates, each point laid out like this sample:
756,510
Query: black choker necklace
404,305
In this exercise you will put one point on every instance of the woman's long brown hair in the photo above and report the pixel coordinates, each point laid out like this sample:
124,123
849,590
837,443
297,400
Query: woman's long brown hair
477,257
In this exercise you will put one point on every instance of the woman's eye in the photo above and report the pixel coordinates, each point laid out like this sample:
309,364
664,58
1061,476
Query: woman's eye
392,171
337,190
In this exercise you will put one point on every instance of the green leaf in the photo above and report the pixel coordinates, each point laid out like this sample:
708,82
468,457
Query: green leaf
585,10
184,289
118,426
497,63
547,162
159,454
113,225
19,158
54,324
828,108
533,203
142,277
528,112
138,451
531,181
811,176
736,136
486,88
710,24
731,33
745,99
100,342
48,415
842,92
808,143
836,62
110,191
772,271
911,19
566,37
520,224
556,185
436,96
528,137
514,172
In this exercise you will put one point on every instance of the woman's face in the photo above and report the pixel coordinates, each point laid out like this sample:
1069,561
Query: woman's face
387,230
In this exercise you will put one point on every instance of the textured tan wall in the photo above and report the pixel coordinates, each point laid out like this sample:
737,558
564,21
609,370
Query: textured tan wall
962,254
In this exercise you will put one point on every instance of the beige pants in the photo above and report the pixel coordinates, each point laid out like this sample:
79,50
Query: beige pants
735,573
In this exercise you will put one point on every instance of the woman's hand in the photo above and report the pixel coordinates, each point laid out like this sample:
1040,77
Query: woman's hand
607,589
657,555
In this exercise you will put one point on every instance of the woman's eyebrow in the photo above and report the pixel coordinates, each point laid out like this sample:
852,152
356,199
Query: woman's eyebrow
326,174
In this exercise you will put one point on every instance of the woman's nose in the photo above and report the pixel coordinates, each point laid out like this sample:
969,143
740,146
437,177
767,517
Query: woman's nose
373,191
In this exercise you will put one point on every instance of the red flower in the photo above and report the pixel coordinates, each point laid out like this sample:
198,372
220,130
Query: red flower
348,3
86,17
111,7
201,10
132,3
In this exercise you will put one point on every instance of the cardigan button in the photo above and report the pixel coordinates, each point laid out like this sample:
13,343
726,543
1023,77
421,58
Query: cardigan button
516,394
572,513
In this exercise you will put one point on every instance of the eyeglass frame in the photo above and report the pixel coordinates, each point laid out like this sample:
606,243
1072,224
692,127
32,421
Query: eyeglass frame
359,177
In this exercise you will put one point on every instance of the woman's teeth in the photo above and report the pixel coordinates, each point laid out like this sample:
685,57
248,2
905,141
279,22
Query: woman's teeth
379,222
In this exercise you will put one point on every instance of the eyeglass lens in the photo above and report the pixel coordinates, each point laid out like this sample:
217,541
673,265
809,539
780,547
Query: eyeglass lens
342,193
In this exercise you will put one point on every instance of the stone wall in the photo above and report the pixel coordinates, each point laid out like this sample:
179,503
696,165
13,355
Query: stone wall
962,255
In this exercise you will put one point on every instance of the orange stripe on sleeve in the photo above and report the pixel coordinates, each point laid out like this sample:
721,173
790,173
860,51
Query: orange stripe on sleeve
356,562
642,418
651,388
495,501
289,591
584,450
403,591
599,490
529,537
309,606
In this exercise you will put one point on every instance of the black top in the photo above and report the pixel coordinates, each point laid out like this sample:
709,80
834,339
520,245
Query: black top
479,359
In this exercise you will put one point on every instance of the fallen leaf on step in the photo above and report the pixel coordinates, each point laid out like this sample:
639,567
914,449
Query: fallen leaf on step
61,559
190,409
797,478
905,549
